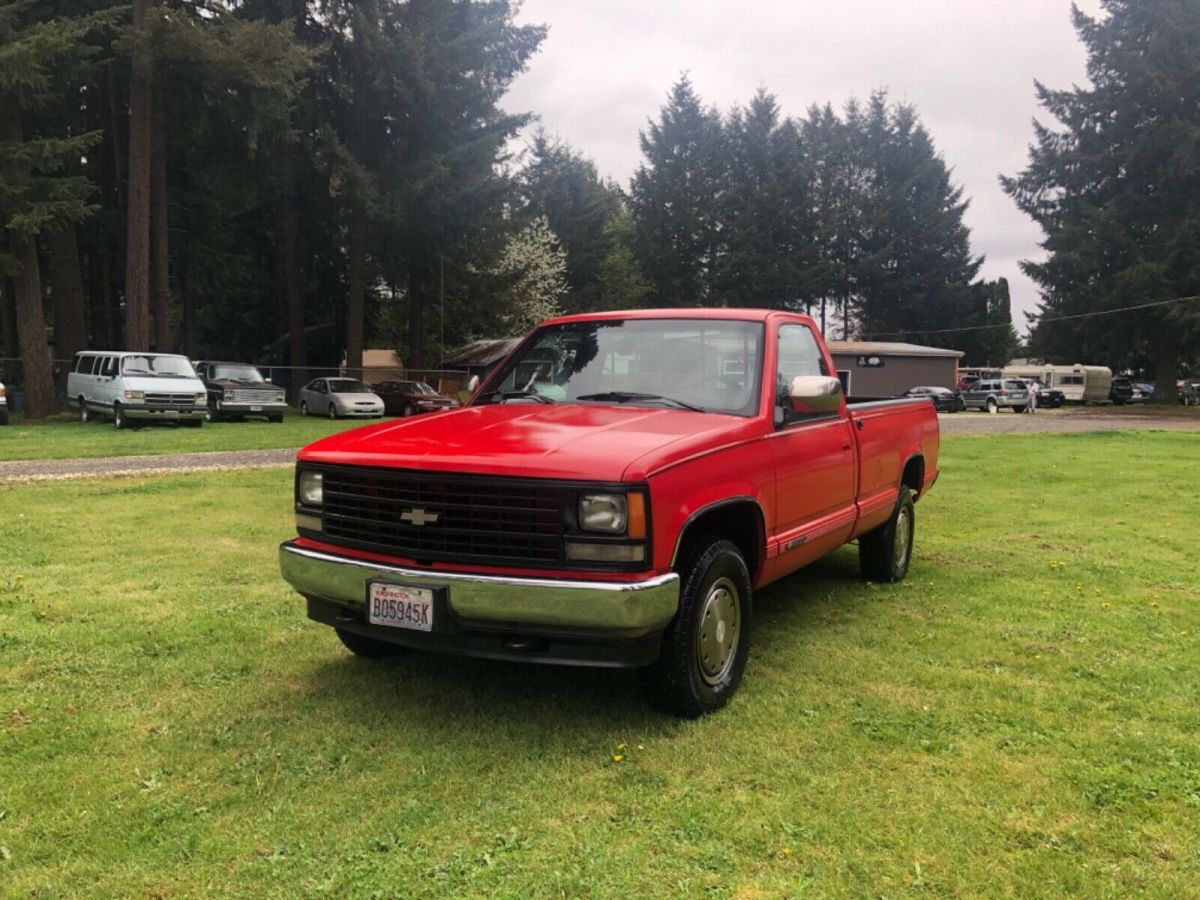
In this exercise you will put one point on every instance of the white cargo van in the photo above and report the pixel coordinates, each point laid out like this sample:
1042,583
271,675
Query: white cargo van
133,387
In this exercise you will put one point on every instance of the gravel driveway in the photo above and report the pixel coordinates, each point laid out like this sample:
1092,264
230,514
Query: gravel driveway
1067,419
1070,419
53,469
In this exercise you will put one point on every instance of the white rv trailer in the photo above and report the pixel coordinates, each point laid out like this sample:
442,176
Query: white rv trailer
1079,384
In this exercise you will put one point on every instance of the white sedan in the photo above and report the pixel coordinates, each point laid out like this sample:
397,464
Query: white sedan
340,398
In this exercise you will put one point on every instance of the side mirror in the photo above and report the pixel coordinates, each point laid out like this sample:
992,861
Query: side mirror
267,379
809,394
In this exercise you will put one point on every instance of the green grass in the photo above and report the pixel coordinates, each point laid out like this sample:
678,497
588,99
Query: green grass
64,437
1019,718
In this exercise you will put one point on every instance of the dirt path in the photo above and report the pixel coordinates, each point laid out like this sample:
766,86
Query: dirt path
54,469
1070,419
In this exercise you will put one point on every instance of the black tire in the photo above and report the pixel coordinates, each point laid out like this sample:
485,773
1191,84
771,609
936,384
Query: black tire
85,414
1019,409
194,423
408,410
303,408
278,417
992,406
716,607
332,411
120,420
885,553
3,417
368,648
212,415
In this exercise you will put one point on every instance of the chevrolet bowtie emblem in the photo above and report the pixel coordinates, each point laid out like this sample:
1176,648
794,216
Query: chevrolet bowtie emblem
419,517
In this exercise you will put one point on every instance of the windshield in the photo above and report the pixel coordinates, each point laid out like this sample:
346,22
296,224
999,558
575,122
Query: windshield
348,386
160,366
235,373
707,364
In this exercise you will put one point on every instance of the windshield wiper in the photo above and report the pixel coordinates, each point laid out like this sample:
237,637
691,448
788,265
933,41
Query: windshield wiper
137,372
630,396
528,394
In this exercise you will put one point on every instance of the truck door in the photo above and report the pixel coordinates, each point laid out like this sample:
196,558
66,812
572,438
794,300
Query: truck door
814,462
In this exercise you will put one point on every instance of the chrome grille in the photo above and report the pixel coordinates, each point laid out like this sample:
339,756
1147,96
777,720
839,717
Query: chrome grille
170,401
250,395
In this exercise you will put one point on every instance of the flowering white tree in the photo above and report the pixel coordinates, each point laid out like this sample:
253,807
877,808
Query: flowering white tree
535,266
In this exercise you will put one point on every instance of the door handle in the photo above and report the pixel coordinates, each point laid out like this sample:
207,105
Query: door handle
859,424
846,446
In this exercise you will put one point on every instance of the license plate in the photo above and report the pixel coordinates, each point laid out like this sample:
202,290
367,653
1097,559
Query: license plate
256,409
171,413
400,606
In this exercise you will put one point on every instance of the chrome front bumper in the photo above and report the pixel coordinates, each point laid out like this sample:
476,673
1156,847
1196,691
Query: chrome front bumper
605,607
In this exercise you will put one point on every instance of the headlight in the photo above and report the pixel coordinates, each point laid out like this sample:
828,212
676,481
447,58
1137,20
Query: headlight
2,391
603,512
280,397
201,398
133,395
312,488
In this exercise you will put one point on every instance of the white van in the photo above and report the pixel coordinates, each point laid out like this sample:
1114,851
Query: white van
136,387
1079,384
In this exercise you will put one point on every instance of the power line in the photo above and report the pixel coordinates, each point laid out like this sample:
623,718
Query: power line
1086,315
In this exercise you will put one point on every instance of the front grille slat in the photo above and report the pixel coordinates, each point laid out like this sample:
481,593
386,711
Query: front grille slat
479,518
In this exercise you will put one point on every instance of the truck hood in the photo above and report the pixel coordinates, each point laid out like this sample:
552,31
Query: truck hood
569,441
156,385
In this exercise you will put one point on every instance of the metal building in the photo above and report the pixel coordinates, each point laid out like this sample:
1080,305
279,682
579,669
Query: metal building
880,369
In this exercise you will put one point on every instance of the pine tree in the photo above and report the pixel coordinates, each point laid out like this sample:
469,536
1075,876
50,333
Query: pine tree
40,191
1116,191
675,195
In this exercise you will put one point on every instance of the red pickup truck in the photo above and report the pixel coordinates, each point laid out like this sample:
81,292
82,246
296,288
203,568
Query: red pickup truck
612,495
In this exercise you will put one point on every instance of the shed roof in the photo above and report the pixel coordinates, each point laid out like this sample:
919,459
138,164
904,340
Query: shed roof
886,348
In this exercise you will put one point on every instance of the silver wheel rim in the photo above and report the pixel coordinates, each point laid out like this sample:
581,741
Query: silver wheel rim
720,631
332,411
304,409
903,532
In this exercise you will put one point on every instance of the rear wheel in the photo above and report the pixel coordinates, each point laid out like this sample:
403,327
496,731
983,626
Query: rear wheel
366,647
706,645
884,553
408,410
1018,409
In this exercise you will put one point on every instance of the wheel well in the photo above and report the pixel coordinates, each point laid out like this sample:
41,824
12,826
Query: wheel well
738,521
914,474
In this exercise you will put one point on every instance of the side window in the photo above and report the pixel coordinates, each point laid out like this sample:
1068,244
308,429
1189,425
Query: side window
319,387
799,354
83,365
108,368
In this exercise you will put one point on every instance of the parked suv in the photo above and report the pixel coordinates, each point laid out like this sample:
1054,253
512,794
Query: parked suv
1121,391
994,394
238,390
136,387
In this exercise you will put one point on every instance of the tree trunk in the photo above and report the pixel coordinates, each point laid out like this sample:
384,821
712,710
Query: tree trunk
420,284
160,261
137,242
1166,366
31,330
289,237
114,130
358,286
70,318
9,349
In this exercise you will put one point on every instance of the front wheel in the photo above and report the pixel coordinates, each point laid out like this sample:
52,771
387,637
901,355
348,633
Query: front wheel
332,411
85,414
884,553
706,645
408,410
278,417
120,420
366,647
303,408
992,406
1019,409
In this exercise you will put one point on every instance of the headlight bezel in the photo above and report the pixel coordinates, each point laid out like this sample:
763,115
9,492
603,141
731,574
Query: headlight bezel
310,489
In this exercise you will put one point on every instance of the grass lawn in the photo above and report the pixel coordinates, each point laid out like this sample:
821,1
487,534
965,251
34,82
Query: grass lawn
1019,718
65,437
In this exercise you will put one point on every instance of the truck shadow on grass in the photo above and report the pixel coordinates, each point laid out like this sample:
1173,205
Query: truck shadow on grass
439,692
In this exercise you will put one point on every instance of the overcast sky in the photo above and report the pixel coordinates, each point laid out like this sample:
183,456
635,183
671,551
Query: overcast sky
967,65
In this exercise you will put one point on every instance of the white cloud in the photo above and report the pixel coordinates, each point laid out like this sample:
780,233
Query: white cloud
967,65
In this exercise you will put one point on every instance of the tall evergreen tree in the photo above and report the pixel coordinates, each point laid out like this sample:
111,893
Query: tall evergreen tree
916,266
40,189
675,197
1116,191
